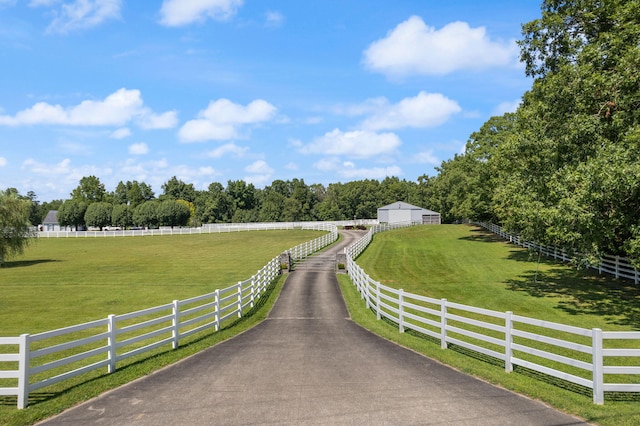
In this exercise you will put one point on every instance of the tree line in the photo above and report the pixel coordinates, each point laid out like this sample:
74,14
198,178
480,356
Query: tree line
134,203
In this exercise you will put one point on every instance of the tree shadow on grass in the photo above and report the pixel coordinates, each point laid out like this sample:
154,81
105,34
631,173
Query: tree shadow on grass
581,291
483,236
26,263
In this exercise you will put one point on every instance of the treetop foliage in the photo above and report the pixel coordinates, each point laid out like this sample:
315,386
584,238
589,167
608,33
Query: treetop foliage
16,231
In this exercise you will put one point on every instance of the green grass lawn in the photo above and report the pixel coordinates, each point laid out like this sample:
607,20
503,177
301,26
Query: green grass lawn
60,282
469,265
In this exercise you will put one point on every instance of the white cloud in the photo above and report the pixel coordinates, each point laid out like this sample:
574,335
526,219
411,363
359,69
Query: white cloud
157,172
175,13
259,166
230,148
138,149
327,164
348,169
370,173
369,106
64,174
292,166
358,143
3,161
79,14
150,120
222,120
121,133
427,157
117,109
415,48
274,19
260,171
421,111
505,107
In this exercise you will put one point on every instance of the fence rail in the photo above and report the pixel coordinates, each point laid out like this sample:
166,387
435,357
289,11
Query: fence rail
32,362
587,357
617,266
214,228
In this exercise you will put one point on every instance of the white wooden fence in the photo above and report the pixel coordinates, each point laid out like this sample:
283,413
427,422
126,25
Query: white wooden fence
596,359
34,361
213,228
617,266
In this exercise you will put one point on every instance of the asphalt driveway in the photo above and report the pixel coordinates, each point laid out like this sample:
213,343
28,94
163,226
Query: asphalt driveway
308,363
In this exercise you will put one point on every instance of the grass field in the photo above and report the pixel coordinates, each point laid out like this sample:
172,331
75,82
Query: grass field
471,266
461,263
61,282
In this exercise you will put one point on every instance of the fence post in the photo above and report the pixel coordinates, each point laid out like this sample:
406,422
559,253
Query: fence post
443,324
111,343
401,310
598,368
23,371
367,287
377,299
216,310
239,299
508,341
253,289
175,324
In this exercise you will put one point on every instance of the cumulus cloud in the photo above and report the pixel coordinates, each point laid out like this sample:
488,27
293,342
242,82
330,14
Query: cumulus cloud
222,120
358,143
117,109
427,157
421,111
259,166
413,48
120,133
506,107
349,170
79,14
260,173
138,149
64,174
370,173
150,120
274,19
230,148
3,161
175,13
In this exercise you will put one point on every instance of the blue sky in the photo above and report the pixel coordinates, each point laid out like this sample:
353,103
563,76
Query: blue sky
216,90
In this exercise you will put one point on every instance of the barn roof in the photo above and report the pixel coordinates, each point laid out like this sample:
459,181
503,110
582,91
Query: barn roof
401,205
51,217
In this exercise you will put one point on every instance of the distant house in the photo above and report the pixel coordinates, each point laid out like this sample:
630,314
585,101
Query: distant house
50,222
399,212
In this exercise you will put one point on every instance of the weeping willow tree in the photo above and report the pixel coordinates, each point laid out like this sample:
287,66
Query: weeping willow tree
16,232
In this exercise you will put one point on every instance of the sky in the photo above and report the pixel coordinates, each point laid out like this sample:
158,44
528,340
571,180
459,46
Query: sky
215,90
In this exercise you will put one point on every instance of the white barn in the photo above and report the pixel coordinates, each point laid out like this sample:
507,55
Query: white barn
399,212
50,222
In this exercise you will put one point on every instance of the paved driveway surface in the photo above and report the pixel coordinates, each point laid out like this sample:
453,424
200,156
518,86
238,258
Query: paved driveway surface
308,363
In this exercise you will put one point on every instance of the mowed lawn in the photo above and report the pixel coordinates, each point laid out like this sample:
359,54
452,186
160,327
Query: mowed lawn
469,265
65,281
